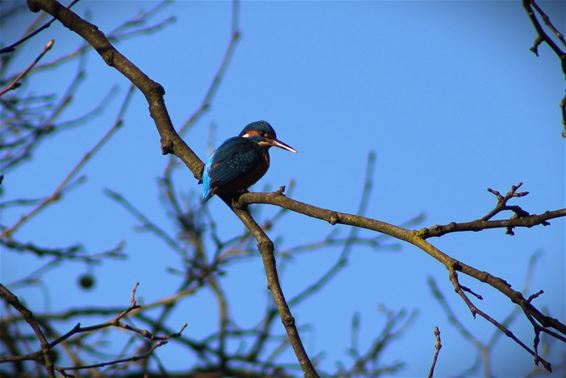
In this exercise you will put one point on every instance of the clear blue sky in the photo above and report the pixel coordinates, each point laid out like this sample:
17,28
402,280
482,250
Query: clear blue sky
446,93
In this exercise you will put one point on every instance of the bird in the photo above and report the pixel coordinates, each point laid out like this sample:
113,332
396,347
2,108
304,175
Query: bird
240,161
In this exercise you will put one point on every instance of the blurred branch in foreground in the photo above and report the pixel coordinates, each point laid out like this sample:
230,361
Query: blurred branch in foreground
46,357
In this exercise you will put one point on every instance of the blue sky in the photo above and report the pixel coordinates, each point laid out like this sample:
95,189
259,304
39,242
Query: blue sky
448,96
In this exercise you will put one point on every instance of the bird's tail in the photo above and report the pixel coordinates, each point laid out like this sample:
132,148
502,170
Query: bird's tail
206,196
207,192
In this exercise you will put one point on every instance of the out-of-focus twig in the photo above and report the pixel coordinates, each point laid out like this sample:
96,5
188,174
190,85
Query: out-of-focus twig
17,81
56,195
11,47
115,322
147,224
368,363
217,79
350,241
19,202
71,253
215,83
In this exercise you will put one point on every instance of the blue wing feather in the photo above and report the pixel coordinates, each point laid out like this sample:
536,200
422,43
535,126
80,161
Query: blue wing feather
236,158
207,193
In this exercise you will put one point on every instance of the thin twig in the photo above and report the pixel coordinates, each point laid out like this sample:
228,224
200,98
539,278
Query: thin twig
530,6
476,311
147,224
548,23
437,346
219,74
12,47
520,218
56,195
215,83
17,81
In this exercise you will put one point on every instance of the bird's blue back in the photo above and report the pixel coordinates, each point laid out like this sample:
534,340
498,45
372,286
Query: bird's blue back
236,159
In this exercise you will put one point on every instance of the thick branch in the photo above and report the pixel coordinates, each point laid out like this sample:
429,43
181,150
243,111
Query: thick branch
413,237
478,225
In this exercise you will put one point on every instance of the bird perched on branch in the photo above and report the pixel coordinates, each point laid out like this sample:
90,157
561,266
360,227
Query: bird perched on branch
240,161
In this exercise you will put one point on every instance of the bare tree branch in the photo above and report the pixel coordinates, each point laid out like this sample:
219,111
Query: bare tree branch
153,91
520,218
17,81
56,195
437,346
530,7
172,143
43,357
12,47
453,265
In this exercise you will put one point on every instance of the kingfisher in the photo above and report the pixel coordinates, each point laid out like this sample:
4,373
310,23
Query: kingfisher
240,161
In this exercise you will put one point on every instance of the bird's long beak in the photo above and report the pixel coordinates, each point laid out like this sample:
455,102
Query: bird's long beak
278,143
